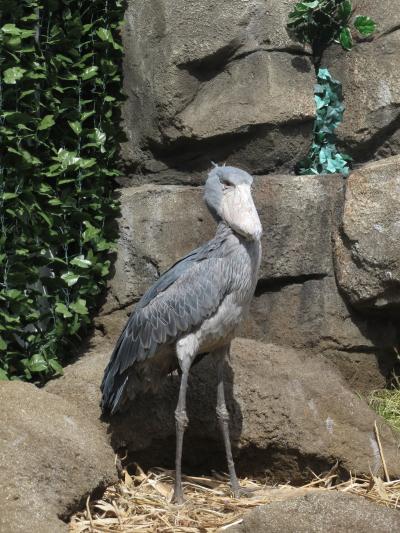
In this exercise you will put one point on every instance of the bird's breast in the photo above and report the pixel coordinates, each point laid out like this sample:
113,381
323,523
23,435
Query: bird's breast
219,329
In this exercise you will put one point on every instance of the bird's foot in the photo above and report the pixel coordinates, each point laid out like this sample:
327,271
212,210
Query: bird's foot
177,497
239,492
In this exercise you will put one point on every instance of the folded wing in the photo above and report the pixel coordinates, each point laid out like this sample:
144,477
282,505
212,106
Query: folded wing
178,303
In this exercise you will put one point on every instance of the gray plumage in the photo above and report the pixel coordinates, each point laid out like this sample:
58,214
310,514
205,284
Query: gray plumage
195,306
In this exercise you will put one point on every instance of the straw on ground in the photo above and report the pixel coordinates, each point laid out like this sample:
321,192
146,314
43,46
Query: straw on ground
142,503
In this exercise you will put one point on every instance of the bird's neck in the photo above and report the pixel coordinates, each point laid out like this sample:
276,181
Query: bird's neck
229,243
224,231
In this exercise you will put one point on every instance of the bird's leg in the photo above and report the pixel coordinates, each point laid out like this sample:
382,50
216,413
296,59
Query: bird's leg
181,421
223,419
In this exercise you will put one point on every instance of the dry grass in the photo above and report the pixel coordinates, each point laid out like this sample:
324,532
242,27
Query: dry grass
142,503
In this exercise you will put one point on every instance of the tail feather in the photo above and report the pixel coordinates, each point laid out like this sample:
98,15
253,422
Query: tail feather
123,376
113,384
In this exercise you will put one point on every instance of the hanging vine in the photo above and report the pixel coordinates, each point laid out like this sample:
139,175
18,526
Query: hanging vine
60,98
323,156
320,23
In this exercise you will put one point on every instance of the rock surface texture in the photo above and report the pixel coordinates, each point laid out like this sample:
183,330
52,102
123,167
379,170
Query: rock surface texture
371,84
284,421
328,512
52,456
208,83
367,247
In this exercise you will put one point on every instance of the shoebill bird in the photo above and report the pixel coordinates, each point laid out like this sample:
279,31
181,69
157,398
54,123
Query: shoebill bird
193,309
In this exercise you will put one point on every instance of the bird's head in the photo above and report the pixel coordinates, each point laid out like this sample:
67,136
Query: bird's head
227,194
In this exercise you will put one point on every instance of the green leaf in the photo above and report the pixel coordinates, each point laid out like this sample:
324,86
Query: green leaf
345,10
46,122
3,344
81,262
87,163
89,72
14,294
3,375
37,363
55,201
90,232
15,117
38,367
99,136
29,158
67,158
346,39
86,115
62,309
55,365
105,35
27,93
303,7
365,25
45,218
76,127
311,5
323,74
319,102
46,189
79,307
70,278
9,196
13,74
11,29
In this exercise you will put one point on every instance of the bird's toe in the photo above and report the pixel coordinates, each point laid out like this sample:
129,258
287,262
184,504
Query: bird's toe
240,492
178,498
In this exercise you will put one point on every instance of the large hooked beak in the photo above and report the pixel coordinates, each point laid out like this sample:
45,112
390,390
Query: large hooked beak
240,213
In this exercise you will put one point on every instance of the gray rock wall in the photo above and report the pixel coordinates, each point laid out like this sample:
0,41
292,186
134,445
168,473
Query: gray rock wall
209,82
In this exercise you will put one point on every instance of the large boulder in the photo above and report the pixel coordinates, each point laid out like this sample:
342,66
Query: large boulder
298,214
290,411
367,247
204,82
52,456
370,74
320,512
311,314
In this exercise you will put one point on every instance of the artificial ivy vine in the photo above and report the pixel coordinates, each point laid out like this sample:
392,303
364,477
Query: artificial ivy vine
60,67
324,157
319,23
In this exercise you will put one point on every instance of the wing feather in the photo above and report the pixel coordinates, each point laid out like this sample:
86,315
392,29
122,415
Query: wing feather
193,295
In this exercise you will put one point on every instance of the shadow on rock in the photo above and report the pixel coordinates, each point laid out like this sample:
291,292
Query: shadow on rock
146,429
291,413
